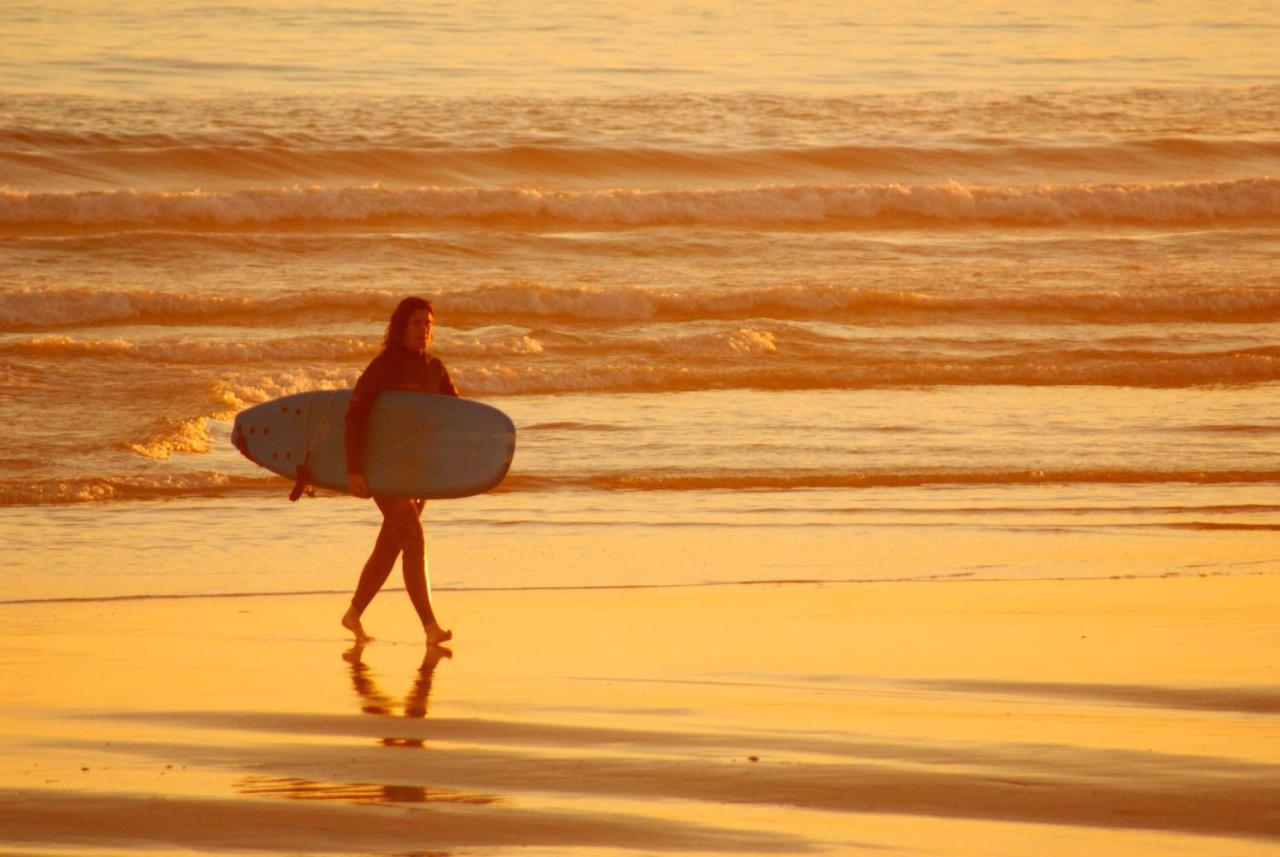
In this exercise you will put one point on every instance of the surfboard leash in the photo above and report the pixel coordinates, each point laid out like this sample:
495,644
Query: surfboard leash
302,481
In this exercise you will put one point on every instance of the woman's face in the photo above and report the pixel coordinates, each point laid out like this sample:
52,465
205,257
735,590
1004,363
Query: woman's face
417,332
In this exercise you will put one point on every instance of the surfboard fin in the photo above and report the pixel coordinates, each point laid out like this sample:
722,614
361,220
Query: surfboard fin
302,482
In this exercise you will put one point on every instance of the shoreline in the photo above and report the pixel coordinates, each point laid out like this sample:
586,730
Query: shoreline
956,578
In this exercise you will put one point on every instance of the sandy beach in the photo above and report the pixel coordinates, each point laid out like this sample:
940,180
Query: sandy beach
1002,718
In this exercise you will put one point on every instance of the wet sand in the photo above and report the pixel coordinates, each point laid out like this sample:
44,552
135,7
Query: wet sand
1126,716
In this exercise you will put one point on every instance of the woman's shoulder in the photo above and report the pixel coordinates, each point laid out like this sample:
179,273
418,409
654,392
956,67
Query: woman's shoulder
381,363
440,378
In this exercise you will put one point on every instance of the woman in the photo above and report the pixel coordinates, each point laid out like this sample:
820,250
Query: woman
403,364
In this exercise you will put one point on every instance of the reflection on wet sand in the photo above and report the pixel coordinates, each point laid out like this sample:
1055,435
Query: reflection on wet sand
297,788
374,701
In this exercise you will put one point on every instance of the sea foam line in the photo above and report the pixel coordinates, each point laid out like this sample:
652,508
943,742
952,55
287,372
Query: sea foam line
70,491
771,582
643,482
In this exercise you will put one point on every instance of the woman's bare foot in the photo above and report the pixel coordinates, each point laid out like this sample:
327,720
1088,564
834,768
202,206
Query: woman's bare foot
437,635
351,621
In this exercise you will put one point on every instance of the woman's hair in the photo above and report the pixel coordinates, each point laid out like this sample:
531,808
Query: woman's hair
400,319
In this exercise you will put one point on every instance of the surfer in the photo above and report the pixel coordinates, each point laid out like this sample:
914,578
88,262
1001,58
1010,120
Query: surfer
403,364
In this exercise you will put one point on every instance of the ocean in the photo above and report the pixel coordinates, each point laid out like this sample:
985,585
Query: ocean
773,291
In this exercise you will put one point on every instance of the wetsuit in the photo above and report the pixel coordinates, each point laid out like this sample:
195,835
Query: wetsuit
396,368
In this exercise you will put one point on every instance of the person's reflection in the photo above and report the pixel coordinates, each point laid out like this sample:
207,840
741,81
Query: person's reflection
374,701
415,704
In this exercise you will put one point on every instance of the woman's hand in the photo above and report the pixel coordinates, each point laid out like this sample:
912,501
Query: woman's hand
357,486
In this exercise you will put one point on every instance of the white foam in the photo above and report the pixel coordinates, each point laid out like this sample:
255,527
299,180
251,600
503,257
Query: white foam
169,436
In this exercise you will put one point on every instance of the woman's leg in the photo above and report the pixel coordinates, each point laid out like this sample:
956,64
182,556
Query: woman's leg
415,576
399,519
414,565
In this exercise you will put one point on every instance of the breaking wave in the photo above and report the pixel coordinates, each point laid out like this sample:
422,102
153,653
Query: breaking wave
44,308
33,155
730,359
167,436
1254,200
341,349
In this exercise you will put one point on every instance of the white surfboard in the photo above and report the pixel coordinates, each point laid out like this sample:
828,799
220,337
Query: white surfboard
416,445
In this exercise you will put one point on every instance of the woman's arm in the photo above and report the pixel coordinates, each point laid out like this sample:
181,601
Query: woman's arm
357,486
367,388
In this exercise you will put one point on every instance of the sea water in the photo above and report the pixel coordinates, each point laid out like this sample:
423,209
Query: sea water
772,291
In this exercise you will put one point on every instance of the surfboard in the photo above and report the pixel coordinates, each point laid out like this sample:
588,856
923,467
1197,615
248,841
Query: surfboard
416,445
